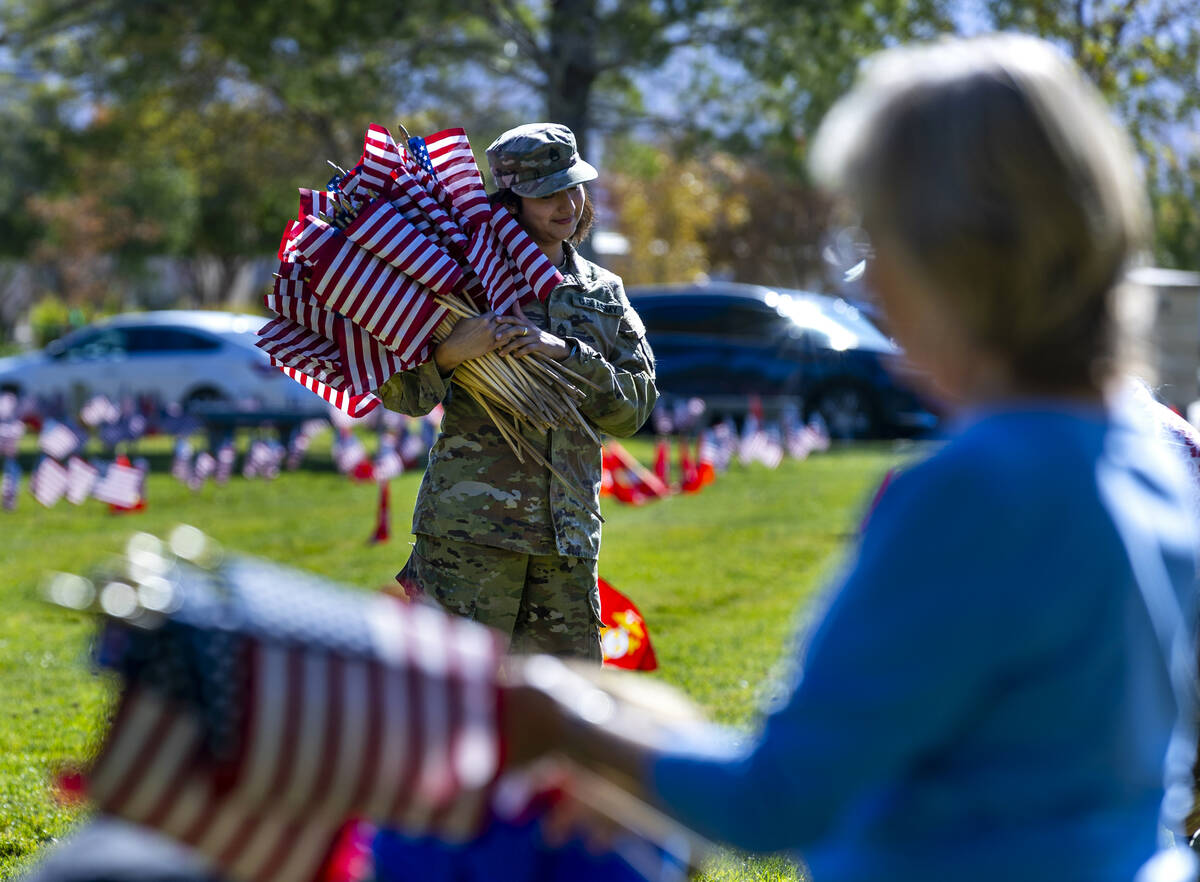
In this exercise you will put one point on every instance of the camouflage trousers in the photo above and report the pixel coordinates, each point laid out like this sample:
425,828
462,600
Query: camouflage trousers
542,603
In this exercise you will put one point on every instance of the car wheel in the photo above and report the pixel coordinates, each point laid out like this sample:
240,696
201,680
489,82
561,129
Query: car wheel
849,412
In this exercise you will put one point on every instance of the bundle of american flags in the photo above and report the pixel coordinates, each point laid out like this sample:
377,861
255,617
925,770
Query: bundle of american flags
375,270
263,710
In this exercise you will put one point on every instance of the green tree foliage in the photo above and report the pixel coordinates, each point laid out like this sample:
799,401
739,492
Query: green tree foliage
1144,56
144,127
184,129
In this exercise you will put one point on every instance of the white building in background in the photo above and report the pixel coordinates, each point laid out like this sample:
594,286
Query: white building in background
1160,310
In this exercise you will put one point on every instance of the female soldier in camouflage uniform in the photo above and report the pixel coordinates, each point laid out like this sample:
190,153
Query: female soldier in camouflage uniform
497,540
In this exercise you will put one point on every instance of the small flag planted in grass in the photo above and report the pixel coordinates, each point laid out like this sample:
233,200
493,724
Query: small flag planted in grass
10,484
623,633
58,440
119,485
48,482
81,480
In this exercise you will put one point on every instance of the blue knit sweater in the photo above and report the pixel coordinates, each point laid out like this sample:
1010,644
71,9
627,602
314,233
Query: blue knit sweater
984,696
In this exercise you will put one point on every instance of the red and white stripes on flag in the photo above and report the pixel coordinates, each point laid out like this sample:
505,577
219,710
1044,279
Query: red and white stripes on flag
407,737
48,482
381,157
58,440
352,405
385,302
202,469
452,159
509,265
119,485
535,267
81,480
382,230
298,346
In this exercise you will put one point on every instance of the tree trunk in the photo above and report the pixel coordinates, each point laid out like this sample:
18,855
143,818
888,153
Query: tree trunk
571,67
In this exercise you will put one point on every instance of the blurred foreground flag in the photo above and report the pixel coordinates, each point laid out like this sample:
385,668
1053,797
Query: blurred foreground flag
262,708
623,633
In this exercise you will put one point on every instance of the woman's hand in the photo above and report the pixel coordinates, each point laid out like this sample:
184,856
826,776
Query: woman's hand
471,338
528,338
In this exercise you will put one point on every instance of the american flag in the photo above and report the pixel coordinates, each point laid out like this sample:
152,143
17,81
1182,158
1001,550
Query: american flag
10,484
98,410
11,433
796,439
725,439
226,455
297,448
347,402
48,482
760,444
348,452
819,433
202,469
271,707
181,463
372,295
708,450
419,152
454,167
387,464
58,439
81,480
299,443
382,230
508,264
381,156
119,485
262,460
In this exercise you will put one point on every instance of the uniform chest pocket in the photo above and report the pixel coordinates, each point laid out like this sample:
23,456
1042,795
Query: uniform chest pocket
590,319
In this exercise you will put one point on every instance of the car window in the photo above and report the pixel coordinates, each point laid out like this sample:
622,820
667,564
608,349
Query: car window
157,339
834,323
94,344
710,316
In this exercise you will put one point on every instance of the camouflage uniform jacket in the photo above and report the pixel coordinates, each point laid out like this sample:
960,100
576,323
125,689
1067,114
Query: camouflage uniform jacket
474,489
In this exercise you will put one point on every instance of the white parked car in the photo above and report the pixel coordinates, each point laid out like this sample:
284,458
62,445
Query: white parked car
184,356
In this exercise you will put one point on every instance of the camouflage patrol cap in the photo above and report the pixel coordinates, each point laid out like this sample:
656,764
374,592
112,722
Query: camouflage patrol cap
537,159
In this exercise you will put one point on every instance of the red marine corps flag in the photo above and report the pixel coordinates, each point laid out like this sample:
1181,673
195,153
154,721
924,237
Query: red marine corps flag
623,633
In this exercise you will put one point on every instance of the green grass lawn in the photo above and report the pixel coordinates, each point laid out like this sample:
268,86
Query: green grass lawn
720,576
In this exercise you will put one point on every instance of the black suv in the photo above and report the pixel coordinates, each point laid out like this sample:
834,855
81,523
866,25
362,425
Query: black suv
726,342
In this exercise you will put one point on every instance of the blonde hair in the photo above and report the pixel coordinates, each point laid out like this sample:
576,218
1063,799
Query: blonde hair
993,166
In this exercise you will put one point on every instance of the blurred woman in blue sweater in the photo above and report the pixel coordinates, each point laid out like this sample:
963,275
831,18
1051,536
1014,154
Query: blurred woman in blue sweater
988,693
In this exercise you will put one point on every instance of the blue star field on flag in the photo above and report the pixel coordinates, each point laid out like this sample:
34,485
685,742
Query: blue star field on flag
419,152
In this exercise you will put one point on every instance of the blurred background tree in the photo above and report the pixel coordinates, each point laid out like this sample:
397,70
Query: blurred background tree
1144,56
136,134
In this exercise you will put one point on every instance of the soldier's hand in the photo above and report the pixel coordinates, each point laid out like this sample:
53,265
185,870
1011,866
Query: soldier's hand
528,338
471,338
